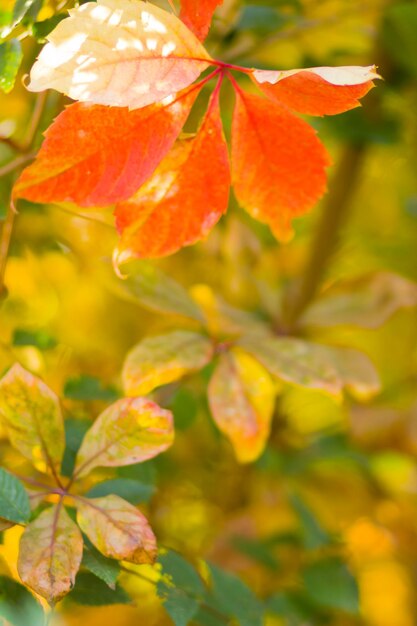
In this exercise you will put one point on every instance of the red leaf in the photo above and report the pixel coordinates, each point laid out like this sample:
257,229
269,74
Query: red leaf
278,163
183,200
317,90
197,14
95,155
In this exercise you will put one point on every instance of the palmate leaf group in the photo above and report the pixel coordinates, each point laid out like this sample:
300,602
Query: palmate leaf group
132,66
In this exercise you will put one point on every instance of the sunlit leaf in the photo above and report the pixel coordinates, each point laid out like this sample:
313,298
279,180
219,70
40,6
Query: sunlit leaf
119,52
50,554
184,198
129,431
241,397
116,528
162,359
317,90
14,501
10,59
197,14
32,417
278,164
20,9
95,155
315,366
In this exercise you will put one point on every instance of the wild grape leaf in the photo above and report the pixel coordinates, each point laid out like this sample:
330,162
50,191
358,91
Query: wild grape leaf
50,554
162,359
14,501
129,431
315,366
241,397
119,52
117,529
278,163
317,90
367,301
185,197
32,416
95,155
197,14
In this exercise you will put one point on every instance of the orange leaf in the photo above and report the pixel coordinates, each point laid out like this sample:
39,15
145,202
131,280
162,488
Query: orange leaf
183,200
278,163
117,529
95,155
119,53
197,14
50,554
241,396
317,90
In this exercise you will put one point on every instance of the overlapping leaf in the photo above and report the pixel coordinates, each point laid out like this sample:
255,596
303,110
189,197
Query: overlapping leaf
162,359
32,416
197,14
117,529
14,501
50,554
241,396
183,200
95,155
129,431
121,53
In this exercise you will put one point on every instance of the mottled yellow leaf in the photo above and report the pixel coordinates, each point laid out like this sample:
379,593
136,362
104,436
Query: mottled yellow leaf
160,360
117,529
119,52
315,366
32,416
50,554
129,431
241,396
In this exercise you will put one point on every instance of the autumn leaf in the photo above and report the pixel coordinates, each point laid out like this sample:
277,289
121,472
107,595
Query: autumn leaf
129,431
197,14
163,359
185,197
122,53
241,397
32,416
278,164
317,90
117,529
95,155
50,554
314,366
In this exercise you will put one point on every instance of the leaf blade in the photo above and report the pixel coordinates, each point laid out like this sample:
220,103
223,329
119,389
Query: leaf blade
14,501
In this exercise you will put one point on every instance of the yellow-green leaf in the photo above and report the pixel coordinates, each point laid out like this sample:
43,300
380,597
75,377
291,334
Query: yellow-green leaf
50,554
160,360
241,396
32,416
129,431
116,528
315,366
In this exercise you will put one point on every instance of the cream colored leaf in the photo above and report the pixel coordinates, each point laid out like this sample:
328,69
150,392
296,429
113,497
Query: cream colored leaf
162,359
117,529
32,416
50,554
342,76
120,53
241,395
129,431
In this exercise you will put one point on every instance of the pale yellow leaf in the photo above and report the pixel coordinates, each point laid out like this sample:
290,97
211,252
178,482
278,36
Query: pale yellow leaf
50,554
343,75
117,529
120,53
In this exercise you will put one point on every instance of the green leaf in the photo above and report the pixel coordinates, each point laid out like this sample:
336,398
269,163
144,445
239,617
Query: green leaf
399,34
184,406
40,30
314,535
180,607
75,429
182,590
329,584
181,573
17,605
235,598
10,60
262,19
14,501
41,339
91,591
85,388
21,9
131,490
106,569
257,550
